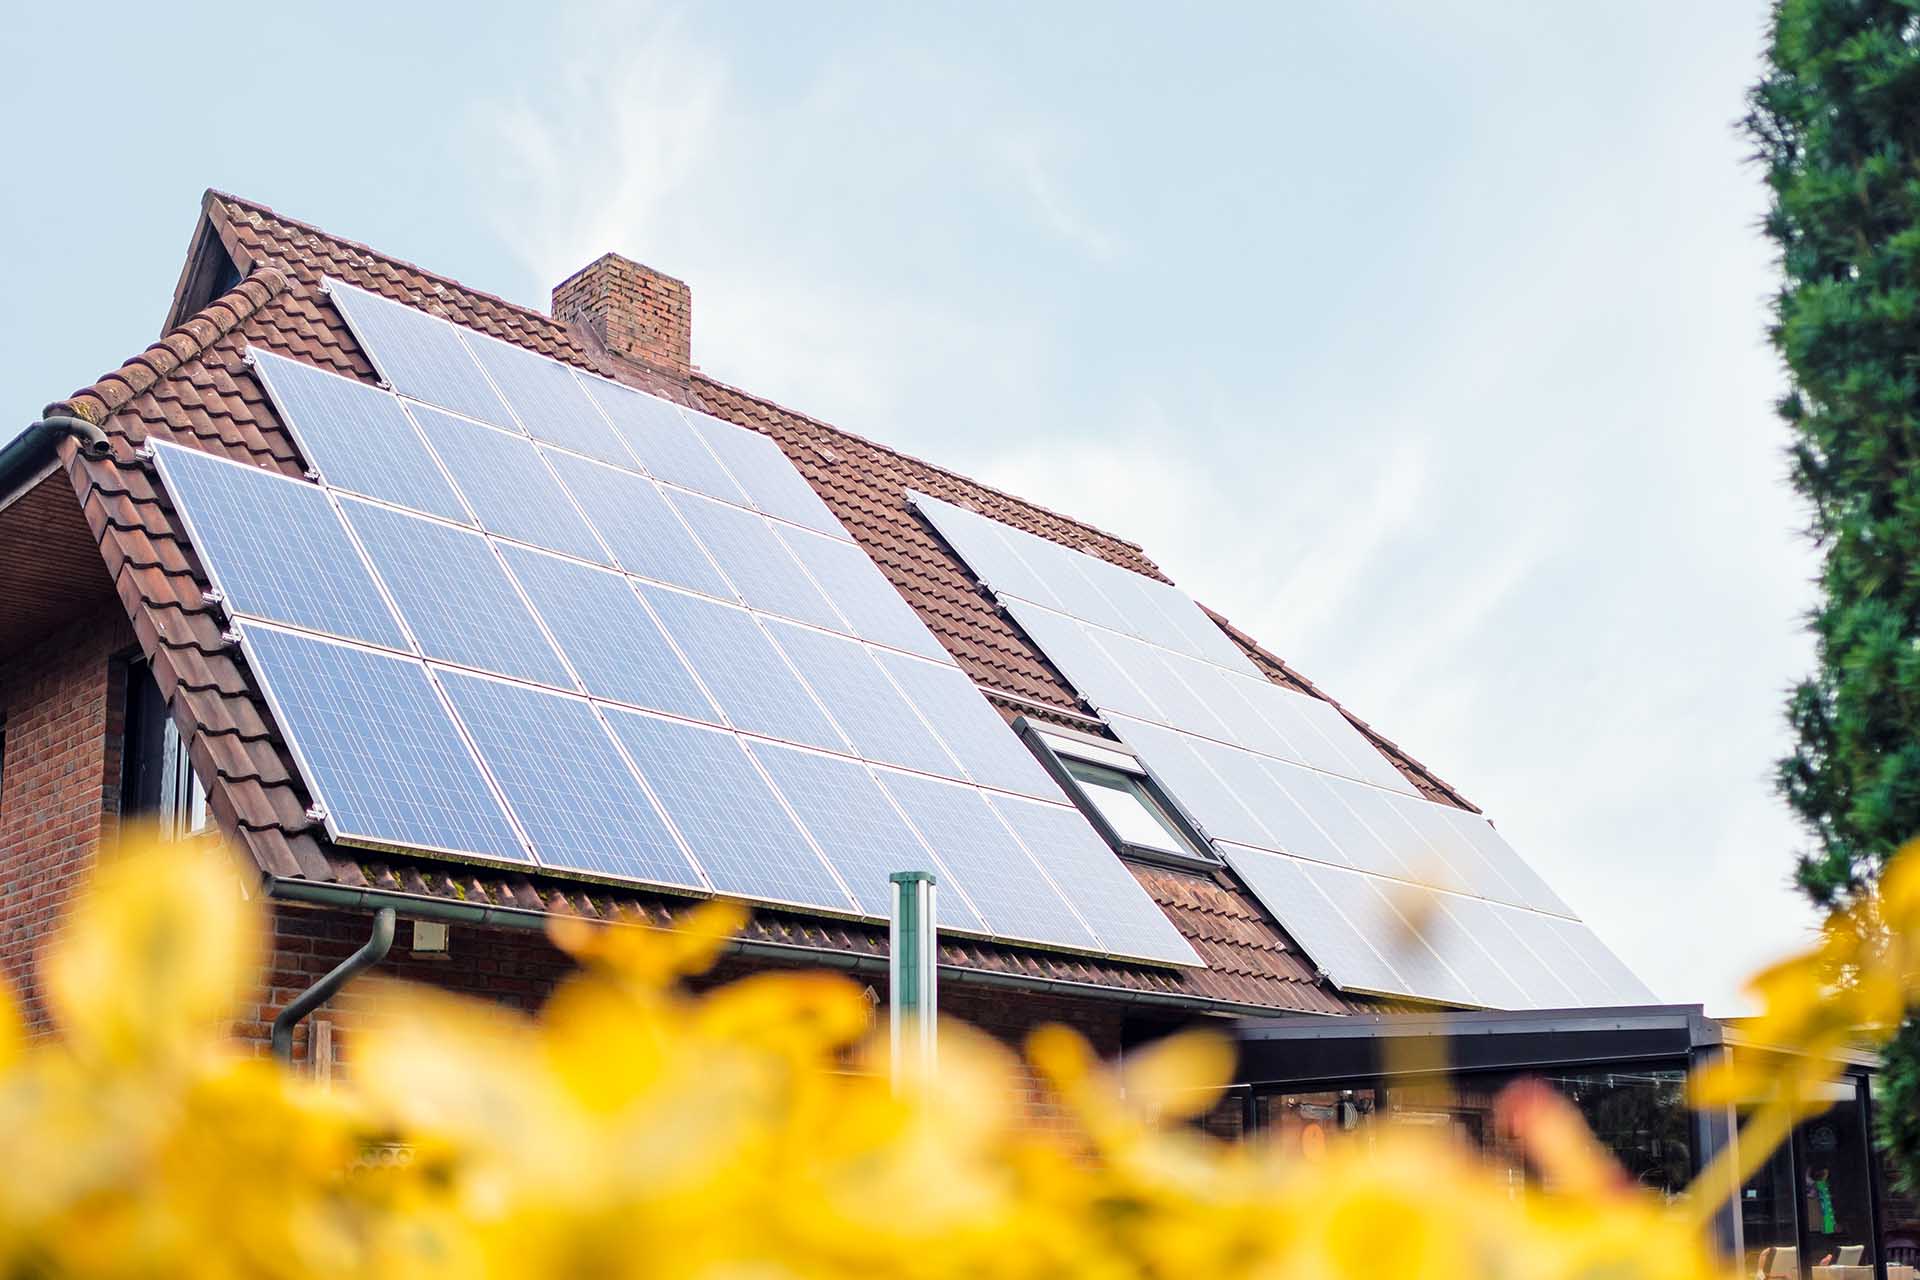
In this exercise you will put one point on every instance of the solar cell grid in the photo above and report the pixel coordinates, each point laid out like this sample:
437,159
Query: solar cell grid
861,593
766,473
661,439
743,670
356,436
1070,647
1103,891
1346,955
858,829
984,544
1388,911
607,635
762,570
275,547
545,397
1620,984
634,521
455,597
880,723
1539,936
1002,882
505,481
727,812
1208,802
968,726
419,355
377,747
1455,928
574,796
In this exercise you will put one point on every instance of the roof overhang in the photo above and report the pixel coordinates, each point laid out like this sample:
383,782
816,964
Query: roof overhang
1294,1051
50,566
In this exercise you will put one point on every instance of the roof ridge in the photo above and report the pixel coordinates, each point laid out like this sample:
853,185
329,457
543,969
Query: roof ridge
359,246
1246,641
699,376
98,401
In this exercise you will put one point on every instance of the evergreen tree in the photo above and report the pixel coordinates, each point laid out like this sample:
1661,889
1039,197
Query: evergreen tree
1836,120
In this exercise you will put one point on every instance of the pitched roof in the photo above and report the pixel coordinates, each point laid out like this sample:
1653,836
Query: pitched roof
192,387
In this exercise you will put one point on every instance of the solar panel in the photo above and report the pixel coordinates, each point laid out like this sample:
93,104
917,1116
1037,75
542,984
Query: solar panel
1395,915
987,547
971,730
1150,671
507,485
988,864
766,473
1104,892
1529,889
377,747
743,671
1620,983
660,437
1541,936
634,520
854,585
1071,647
856,825
419,355
762,571
355,436
1208,802
1340,951
729,815
274,547
1223,693
1458,928
880,723
545,397
574,796
453,594
607,635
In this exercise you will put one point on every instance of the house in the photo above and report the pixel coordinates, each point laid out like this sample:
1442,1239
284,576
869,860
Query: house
219,601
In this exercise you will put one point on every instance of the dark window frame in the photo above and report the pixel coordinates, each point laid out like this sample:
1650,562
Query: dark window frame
157,777
1054,746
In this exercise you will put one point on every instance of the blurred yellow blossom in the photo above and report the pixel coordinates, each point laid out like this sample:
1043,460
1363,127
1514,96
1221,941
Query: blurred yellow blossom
636,1129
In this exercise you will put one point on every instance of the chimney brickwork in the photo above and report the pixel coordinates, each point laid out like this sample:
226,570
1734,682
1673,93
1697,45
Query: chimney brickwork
634,311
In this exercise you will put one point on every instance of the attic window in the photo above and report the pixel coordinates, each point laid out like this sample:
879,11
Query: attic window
1116,795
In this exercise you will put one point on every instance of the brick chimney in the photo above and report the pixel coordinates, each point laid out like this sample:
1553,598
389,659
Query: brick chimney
633,311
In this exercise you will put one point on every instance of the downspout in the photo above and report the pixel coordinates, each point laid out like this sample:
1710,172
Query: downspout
371,952
33,448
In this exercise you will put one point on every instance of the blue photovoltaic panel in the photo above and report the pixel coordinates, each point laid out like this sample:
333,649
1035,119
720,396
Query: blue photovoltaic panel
356,436
766,576
880,723
766,473
971,730
1533,891
730,817
856,587
1199,792
275,547
859,830
419,355
607,635
1340,951
634,520
377,748
1060,567
987,548
993,870
507,484
1151,670
1071,646
575,797
1385,911
454,595
1109,899
544,395
742,670
660,437
1221,691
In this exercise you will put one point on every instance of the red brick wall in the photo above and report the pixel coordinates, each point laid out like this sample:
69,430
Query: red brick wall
64,701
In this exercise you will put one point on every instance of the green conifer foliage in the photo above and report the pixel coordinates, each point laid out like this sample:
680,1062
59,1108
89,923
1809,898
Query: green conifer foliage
1836,123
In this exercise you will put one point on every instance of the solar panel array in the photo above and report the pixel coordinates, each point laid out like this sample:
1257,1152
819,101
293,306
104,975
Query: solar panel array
537,617
1331,837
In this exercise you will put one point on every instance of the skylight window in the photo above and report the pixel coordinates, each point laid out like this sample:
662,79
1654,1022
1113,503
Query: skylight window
1116,795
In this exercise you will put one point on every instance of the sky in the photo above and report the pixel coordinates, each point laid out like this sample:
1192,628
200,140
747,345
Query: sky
1426,343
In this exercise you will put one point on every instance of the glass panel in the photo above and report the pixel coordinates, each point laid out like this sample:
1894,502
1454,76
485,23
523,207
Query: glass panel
1132,815
1301,1124
1836,1193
